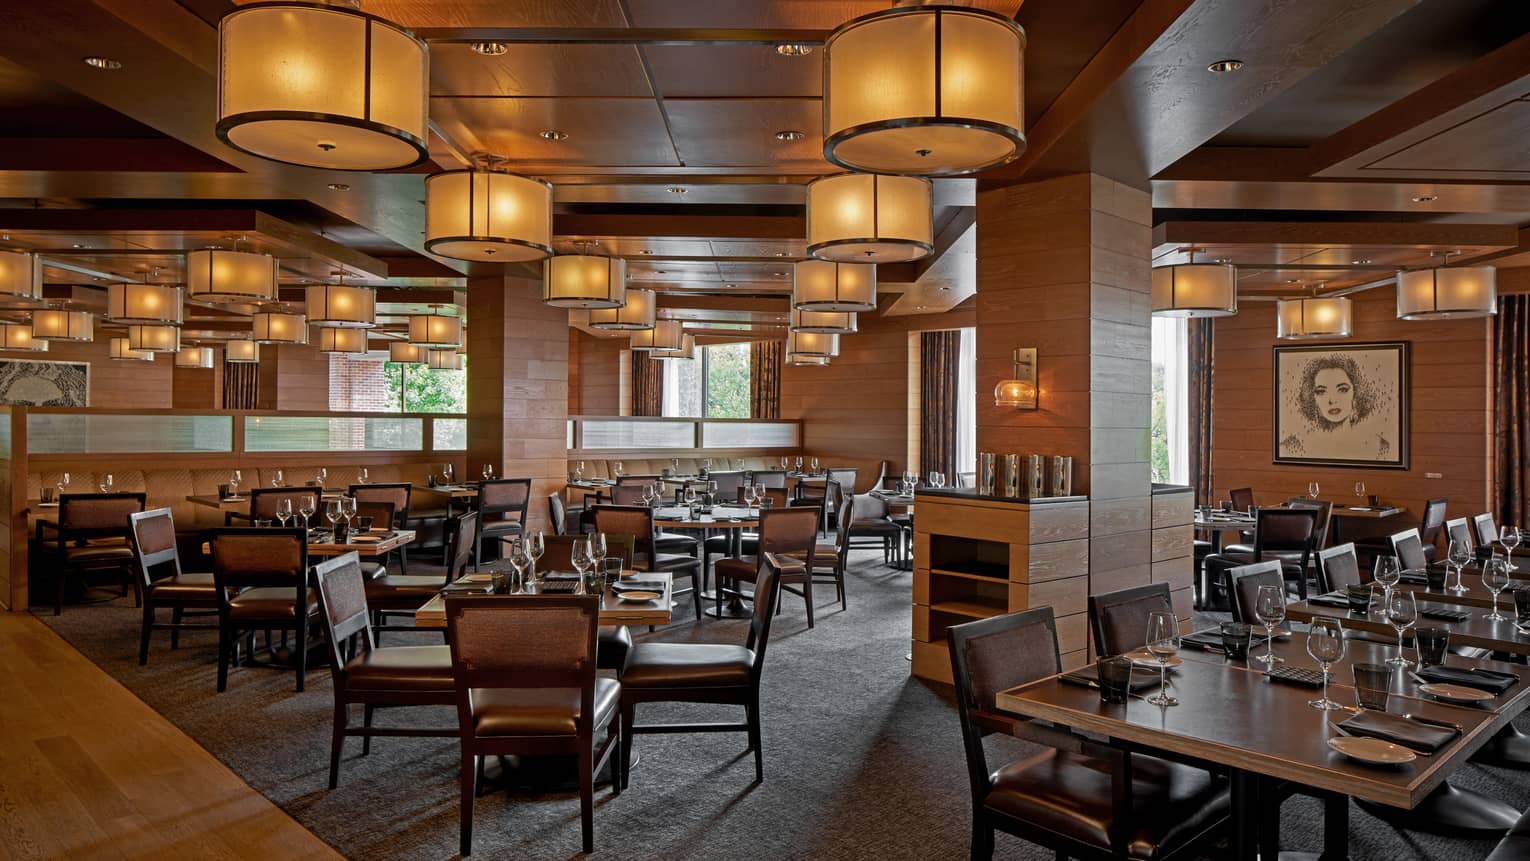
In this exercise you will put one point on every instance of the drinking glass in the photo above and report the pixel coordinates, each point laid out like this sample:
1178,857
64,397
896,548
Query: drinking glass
283,511
706,464
106,483
648,494
276,479
937,480
1360,490
1402,611
712,492
1162,643
597,547
1114,676
1373,685
1312,493
307,509
233,482
611,571
1235,637
579,471
1459,554
321,475
63,483
332,512
617,469
1495,577
520,563
1270,610
1508,536
1386,571
1431,644
451,473
488,472
348,507
759,494
749,496
1325,644
362,475
815,466
674,465
799,463
784,461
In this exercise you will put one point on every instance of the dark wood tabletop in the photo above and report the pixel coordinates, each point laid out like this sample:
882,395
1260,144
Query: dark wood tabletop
1473,631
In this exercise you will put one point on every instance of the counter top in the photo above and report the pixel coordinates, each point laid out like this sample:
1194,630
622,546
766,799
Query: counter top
971,493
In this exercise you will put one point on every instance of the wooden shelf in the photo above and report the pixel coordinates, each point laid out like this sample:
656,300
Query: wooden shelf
971,609
995,572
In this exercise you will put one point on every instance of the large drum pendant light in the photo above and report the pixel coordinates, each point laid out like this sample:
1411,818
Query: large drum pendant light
811,344
405,353
18,336
924,91
194,357
823,322
804,361
322,86
1314,317
20,275
865,218
243,352
279,327
819,285
639,312
488,216
120,350
665,335
341,306
443,360
1195,290
154,339
230,276
332,340
143,303
584,281
435,331
57,324
687,350
1445,293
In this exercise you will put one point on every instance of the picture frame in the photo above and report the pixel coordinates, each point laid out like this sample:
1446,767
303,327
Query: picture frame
43,383
1342,405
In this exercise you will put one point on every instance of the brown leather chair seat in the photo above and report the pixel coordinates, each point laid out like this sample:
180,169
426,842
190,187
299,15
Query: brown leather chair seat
371,570
401,668
187,588
94,552
735,569
1070,794
1515,845
395,584
613,643
539,711
268,603
662,665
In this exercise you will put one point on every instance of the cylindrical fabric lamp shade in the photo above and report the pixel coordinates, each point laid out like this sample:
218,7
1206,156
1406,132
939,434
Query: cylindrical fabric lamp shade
665,335
435,331
489,216
20,275
823,322
277,327
866,218
143,303
341,306
800,361
1314,317
55,324
241,352
820,285
322,86
18,336
230,276
194,357
924,91
333,340
687,350
1437,294
404,353
1195,290
638,313
154,339
811,344
584,281
444,360
119,349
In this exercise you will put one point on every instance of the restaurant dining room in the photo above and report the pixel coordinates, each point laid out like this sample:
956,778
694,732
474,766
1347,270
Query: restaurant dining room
765,429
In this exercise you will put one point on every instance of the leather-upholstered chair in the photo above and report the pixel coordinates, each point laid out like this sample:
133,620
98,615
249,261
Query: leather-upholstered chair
1282,534
162,584
1243,585
400,594
262,581
612,642
1340,568
1119,620
1459,529
1077,797
719,673
1486,532
728,482
91,537
1515,845
1242,498
832,559
773,479
524,667
263,501
874,525
1409,549
382,514
1430,524
400,493
637,521
373,676
557,514
783,532
502,506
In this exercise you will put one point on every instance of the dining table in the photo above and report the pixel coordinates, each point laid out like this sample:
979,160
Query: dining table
726,519
240,503
372,543
613,610
1213,523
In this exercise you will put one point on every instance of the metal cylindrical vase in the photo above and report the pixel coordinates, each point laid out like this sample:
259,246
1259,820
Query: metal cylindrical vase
1062,475
987,473
1012,476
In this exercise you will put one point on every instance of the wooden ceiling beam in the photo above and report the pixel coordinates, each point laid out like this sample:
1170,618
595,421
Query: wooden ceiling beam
681,225
660,36
1331,233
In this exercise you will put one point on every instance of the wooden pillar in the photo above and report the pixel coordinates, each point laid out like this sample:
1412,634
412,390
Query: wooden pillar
293,377
517,379
198,388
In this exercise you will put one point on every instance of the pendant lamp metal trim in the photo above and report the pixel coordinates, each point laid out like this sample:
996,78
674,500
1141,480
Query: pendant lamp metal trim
1165,290
846,277
823,322
615,281
201,283
515,249
851,249
1478,300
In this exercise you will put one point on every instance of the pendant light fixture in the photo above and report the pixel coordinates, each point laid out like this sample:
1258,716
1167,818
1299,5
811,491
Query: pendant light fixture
1195,289
435,331
405,353
488,215
322,86
823,322
20,275
133,302
215,275
279,327
687,350
1447,293
821,285
584,281
333,340
194,357
58,324
241,352
444,360
639,312
806,361
154,339
812,344
867,218
665,335
119,349
1314,317
340,305
18,336
924,91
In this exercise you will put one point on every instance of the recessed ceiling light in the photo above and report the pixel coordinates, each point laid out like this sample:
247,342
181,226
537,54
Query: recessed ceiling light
1225,66
790,135
105,64
1360,262
780,274
490,49
730,285
919,307
1425,198
792,49
552,135
339,186
944,288
676,189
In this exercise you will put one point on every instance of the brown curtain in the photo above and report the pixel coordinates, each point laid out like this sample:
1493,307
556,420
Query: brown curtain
241,385
940,355
1202,376
1511,409
765,379
647,385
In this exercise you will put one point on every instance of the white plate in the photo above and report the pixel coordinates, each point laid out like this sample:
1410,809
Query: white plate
1456,693
1372,750
637,597
1144,659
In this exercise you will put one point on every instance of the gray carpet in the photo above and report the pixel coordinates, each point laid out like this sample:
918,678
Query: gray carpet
861,760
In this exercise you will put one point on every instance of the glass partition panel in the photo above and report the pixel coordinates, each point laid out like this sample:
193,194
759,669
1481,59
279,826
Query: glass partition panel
614,433
81,433
449,434
749,435
321,433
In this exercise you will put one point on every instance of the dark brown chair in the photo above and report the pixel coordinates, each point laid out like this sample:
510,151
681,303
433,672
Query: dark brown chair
262,580
373,676
1340,568
832,560
1409,549
263,502
399,493
728,483
1429,527
873,527
637,521
1242,498
784,532
1077,797
1324,509
773,479
841,477
91,536
502,506
163,584
382,514
557,514
526,685
1515,845
720,673
1282,534
613,642
1119,620
1243,585
627,494
1459,529
400,594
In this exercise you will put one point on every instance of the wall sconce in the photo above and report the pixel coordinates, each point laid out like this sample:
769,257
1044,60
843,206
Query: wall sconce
1020,390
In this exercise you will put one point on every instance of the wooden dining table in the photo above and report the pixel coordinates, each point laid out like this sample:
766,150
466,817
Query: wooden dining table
1474,630
729,520
376,543
613,610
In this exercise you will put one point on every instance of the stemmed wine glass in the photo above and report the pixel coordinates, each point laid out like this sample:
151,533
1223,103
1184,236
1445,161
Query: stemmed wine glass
597,547
233,482
537,546
799,463
283,511
1458,554
647,494
581,559
1495,576
321,475
759,494
1312,493
749,496
362,475
276,478
106,483
307,508
937,480
1402,611
579,471
63,483
1162,644
674,466
1360,490
348,508
520,563
616,468
1325,644
784,461
1387,572
1509,536
814,464
488,472
1270,610
332,513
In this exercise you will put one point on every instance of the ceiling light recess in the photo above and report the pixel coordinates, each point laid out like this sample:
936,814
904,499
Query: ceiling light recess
822,285
866,218
487,215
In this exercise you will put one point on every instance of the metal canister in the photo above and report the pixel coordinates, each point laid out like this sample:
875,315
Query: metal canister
1035,476
1012,476
1062,475
987,473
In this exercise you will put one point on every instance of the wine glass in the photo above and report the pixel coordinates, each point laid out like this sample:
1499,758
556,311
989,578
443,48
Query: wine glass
362,475
537,546
276,478
579,471
1402,611
784,461
1360,490
347,508
648,494
759,494
488,472
674,466
814,465
307,508
1495,576
283,511
799,463
706,464
617,468
749,496
1312,493
1509,536
63,483
1162,644
321,475
1459,554
581,558
520,563
1325,644
332,513
233,482
1270,610
690,499
1387,572
106,483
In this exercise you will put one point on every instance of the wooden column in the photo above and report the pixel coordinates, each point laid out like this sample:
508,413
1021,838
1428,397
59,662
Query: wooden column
198,388
517,379
293,377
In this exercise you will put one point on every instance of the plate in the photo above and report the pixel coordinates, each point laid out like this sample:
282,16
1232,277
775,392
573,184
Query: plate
1372,750
637,597
1143,658
1456,693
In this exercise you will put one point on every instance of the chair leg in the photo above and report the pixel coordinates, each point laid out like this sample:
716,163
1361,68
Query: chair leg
697,586
302,656
403,561
469,777
839,584
982,841
143,634
587,795
366,721
337,742
753,717
615,734
58,592
225,647
626,742
807,598
176,615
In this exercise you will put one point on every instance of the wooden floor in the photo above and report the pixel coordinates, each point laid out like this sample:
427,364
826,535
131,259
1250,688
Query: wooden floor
87,770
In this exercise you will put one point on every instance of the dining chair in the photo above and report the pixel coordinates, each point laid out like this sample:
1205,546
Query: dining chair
403,594
1077,797
371,675
627,494
524,672
92,536
264,500
1242,498
717,673
873,523
773,479
1409,549
1340,568
1119,620
1243,585
832,560
502,506
637,521
784,532
728,482
1459,529
162,584
261,574
400,493
1282,534
1515,845
1324,509
1430,524
557,513
382,513
612,642
1487,533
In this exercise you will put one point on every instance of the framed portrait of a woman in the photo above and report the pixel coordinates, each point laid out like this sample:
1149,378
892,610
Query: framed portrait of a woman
1342,405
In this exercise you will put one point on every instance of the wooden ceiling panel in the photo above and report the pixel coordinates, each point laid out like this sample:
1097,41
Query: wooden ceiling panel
723,133
783,14
589,71
633,247
733,190
789,249
673,270
497,13
601,132
738,71
769,273
1492,145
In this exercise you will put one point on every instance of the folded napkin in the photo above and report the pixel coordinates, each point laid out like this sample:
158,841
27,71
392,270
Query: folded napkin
1413,576
1444,615
1483,680
1086,676
1210,641
1332,599
638,586
1408,732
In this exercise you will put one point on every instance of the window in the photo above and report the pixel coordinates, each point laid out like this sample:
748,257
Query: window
713,385
1170,452
966,407
367,383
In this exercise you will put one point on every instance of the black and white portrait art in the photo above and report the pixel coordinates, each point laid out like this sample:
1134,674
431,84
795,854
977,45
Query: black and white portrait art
1342,405
44,384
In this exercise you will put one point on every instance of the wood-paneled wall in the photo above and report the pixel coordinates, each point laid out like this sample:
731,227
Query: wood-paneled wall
294,377
1450,418
113,384
594,374
200,388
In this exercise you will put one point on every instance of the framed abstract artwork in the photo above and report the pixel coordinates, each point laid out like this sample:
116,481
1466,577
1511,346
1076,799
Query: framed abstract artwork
1342,405
44,384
